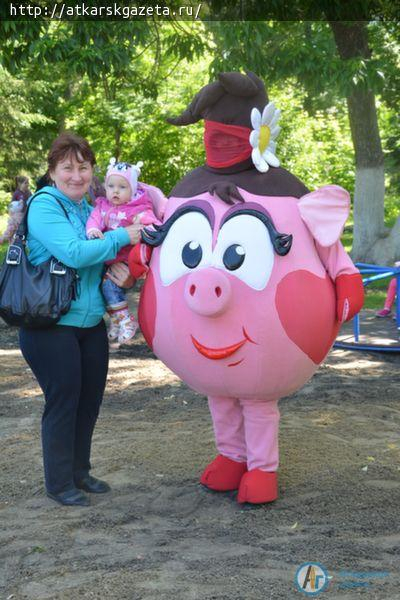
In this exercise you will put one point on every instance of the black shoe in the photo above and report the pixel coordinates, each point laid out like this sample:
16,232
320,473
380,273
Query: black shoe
72,497
92,485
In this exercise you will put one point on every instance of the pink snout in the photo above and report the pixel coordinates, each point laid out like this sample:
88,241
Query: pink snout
208,292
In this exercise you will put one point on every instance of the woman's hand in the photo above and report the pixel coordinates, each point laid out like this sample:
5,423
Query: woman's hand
134,232
119,274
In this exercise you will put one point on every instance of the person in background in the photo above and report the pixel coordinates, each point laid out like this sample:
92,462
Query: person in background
16,208
70,359
96,190
22,191
390,297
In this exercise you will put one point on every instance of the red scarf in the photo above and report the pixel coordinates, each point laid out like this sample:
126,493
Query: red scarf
226,145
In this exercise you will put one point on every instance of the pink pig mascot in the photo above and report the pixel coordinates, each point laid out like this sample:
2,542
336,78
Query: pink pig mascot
248,282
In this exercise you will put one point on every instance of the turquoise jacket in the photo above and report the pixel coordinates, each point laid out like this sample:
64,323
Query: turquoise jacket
51,234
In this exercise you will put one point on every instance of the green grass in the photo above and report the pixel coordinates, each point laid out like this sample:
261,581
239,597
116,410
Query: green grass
375,298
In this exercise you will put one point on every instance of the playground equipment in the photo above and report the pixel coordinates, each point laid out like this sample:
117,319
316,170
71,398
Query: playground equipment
372,273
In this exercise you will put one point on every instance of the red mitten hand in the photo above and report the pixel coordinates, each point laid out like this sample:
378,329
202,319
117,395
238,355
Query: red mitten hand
349,296
138,260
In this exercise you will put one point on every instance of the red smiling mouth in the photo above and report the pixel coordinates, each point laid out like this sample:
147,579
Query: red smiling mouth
218,353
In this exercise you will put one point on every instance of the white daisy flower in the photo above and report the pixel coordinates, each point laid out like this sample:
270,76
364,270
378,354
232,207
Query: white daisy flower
262,138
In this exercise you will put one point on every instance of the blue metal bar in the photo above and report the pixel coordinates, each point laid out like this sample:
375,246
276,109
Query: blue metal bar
368,280
367,347
356,327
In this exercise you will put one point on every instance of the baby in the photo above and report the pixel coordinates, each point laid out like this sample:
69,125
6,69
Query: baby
126,203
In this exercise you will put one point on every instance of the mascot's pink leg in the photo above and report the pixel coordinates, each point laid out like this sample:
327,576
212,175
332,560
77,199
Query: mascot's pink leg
225,471
261,423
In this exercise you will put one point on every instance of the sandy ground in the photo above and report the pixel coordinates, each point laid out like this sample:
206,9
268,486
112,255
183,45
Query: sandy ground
159,534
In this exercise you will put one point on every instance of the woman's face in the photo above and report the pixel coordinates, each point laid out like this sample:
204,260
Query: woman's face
72,176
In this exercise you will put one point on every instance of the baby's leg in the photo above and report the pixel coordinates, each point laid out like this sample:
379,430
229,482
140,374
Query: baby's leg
226,470
114,296
117,308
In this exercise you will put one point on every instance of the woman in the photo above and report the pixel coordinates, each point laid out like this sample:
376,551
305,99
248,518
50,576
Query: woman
70,360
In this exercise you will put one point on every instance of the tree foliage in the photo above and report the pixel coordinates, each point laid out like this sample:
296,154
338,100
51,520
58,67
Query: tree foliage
329,62
115,82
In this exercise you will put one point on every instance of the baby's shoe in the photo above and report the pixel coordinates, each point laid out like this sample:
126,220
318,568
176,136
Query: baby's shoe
113,331
384,312
127,330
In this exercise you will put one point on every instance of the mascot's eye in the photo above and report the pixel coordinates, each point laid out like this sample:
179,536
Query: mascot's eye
187,246
192,254
244,249
233,257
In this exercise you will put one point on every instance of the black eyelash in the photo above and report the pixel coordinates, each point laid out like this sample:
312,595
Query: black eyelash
282,242
156,235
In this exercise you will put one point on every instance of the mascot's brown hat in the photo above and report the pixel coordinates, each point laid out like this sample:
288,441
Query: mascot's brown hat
239,138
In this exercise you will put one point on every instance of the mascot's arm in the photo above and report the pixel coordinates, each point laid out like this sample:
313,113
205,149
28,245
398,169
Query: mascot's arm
138,260
349,296
348,281
325,211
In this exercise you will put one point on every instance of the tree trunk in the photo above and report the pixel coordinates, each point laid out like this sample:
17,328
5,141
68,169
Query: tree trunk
371,242
369,190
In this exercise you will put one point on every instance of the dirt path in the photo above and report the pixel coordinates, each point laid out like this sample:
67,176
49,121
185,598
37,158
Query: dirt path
160,535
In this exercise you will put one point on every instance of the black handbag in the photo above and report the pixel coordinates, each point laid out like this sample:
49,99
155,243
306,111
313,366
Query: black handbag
34,297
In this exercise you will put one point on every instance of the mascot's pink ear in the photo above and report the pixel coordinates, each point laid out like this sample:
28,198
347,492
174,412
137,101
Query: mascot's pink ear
157,198
325,212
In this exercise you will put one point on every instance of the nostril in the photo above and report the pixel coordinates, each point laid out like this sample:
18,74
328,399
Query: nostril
218,291
192,290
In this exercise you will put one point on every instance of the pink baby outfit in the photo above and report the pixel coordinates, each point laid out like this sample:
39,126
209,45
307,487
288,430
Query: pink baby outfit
107,217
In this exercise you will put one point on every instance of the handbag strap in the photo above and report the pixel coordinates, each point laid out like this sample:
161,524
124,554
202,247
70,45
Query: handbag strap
22,230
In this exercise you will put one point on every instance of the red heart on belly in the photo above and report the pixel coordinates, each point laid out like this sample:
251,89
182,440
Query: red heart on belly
306,306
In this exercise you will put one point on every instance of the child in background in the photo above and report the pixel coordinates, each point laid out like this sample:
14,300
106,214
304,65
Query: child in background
390,297
16,208
22,191
125,203
96,190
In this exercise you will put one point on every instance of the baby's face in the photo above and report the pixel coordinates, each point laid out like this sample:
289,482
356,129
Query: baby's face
118,190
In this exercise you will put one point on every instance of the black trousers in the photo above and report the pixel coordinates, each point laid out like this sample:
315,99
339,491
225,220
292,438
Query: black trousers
70,364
